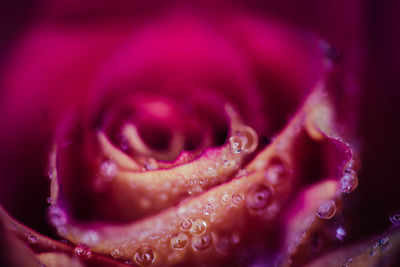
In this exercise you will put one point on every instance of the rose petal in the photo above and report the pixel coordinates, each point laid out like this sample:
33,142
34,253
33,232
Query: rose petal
223,209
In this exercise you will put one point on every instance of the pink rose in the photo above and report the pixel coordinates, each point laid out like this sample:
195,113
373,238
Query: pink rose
198,134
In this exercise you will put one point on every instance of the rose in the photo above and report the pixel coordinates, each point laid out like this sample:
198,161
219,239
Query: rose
102,89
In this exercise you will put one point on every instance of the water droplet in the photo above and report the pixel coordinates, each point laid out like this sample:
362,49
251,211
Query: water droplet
395,217
237,144
340,233
186,224
32,239
202,181
250,138
82,251
348,182
201,243
193,181
227,163
144,256
179,241
57,216
258,197
108,169
198,227
150,164
208,208
211,171
327,210
116,253
237,199
275,173
226,198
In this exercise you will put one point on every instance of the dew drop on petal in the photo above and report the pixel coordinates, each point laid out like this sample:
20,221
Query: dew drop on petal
202,181
208,208
108,169
82,251
144,256
203,242
348,182
250,139
237,199
186,224
226,198
237,144
327,210
198,227
116,253
179,241
227,163
258,197
32,239
211,171
395,217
